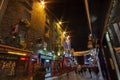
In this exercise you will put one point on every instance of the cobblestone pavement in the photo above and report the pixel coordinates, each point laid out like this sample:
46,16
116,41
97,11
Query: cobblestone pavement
74,76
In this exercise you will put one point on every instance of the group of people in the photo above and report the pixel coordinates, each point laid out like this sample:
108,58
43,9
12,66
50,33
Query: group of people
87,71
82,70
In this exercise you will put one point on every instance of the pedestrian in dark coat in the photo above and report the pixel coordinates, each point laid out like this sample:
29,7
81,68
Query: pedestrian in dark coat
90,72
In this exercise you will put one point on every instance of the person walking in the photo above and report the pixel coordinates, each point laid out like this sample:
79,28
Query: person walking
78,69
90,71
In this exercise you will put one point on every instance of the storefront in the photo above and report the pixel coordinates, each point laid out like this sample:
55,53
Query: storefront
57,67
46,57
62,65
46,60
68,63
14,63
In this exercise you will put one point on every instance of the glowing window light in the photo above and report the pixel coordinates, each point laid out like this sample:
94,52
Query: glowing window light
17,53
24,58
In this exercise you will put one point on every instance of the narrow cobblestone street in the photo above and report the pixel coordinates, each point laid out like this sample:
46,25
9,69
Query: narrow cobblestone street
74,76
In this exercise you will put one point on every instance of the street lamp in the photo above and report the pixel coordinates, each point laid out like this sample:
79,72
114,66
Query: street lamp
59,22
64,34
42,4
58,53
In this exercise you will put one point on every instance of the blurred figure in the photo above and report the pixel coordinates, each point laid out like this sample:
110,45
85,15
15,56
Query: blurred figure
82,70
78,69
39,72
90,72
75,70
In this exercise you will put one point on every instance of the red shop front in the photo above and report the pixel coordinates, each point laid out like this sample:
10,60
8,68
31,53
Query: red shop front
68,64
57,67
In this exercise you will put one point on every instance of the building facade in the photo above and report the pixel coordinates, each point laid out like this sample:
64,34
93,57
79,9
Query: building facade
109,53
22,25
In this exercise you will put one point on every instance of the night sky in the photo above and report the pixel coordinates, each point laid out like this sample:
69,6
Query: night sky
73,13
